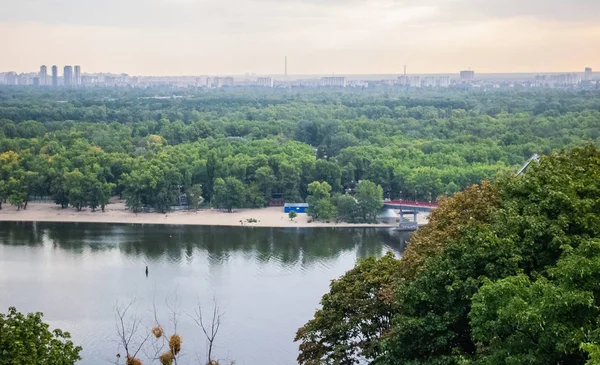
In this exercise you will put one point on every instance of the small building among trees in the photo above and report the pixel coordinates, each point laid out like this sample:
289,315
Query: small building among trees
295,207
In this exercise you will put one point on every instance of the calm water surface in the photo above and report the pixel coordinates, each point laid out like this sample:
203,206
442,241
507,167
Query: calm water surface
268,281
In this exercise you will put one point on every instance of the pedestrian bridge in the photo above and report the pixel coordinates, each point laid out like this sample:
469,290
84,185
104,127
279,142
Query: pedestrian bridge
409,205
408,212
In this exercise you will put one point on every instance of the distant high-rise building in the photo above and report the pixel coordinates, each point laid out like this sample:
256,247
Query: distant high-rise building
264,82
403,80
414,81
36,81
12,78
54,76
336,81
78,75
429,81
68,76
43,75
443,81
222,81
467,75
588,74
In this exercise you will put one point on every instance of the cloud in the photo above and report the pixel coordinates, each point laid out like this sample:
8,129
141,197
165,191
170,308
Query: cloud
557,10
343,36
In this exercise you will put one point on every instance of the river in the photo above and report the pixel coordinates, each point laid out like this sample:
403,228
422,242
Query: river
267,281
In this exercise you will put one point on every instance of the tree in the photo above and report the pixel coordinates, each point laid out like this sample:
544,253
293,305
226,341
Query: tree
447,222
128,329
3,192
546,320
194,196
491,288
228,193
370,200
347,208
292,215
319,201
27,340
58,189
75,186
18,192
105,194
266,180
209,329
353,317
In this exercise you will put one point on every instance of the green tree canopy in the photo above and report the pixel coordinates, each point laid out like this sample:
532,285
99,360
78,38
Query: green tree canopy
27,340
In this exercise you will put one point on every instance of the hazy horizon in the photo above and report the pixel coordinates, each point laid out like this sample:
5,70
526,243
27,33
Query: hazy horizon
353,37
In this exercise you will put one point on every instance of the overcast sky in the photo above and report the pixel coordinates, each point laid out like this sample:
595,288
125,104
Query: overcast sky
195,37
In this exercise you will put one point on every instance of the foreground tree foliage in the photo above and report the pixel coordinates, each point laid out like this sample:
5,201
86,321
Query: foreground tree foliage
354,315
27,340
506,272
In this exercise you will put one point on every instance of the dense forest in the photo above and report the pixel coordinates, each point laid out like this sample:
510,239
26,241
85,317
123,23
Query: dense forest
154,146
506,272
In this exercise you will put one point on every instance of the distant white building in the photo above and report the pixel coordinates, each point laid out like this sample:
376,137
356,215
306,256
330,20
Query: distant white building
77,79
222,81
335,81
264,82
467,75
403,80
415,81
428,81
443,81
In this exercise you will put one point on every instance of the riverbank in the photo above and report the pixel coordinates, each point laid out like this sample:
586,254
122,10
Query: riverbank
116,213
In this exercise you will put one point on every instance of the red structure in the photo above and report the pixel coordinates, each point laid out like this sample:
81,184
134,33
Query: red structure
412,203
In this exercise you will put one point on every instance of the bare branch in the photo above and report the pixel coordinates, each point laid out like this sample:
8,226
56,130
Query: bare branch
127,329
211,329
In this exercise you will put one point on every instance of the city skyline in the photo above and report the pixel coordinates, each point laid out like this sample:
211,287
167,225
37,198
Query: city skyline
72,77
164,38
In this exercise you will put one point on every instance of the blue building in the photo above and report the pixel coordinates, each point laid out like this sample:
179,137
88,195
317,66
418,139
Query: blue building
295,207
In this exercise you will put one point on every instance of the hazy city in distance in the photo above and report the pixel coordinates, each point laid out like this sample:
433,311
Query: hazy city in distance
72,76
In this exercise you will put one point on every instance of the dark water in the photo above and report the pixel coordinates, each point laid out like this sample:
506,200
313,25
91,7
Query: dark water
267,281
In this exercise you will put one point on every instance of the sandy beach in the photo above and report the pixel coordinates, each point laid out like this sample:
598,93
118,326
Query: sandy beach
116,213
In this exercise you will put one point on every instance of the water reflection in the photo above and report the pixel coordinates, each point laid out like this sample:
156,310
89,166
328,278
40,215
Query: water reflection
177,243
269,280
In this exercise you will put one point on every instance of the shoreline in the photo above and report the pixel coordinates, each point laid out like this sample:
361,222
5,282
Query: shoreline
115,212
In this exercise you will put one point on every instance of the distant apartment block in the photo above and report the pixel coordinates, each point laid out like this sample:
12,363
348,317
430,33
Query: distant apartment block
428,81
54,76
77,78
467,75
264,82
333,81
569,79
11,78
414,81
443,81
565,79
43,75
588,74
222,81
403,80
68,76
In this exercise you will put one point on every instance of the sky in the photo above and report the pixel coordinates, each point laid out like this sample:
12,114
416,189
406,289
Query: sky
235,37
